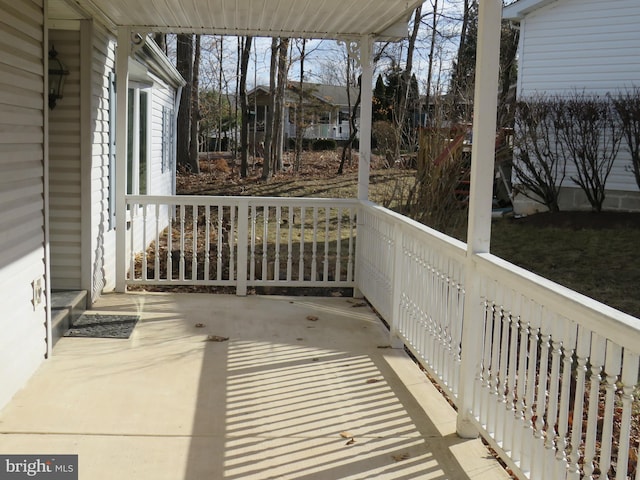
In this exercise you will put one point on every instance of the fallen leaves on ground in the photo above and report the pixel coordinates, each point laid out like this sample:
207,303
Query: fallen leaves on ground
312,318
199,325
400,456
216,338
373,380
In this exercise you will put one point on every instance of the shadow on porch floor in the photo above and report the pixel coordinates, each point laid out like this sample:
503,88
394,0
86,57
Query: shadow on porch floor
300,390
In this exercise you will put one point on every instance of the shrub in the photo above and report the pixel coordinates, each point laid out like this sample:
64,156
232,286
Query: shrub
324,144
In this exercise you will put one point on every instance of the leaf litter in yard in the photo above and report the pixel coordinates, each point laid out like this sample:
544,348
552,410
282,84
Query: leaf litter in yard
216,338
400,456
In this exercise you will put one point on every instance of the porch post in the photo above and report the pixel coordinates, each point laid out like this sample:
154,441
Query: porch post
480,199
122,87
366,47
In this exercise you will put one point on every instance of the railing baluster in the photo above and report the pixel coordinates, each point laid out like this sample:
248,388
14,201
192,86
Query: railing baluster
301,256
265,245
207,243
194,256
582,353
596,358
568,348
252,252
233,235
132,251
144,243
612,366
314,245
276,261
156,252
170,243
220,242
182,240
290,220
352,213
338,274
629,379
327,221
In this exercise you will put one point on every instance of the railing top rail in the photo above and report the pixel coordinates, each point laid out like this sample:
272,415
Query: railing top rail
235,200
453,245
608,322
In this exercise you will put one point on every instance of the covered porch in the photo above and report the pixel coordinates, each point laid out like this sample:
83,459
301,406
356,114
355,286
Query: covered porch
304,388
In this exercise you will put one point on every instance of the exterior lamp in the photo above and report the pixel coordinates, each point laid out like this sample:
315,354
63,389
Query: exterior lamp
57,73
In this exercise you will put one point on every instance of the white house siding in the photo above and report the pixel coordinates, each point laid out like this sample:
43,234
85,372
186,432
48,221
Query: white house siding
590,46
22,254
65,168
102,231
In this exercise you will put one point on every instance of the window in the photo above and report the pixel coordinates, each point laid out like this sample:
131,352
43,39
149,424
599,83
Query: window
137,141
167,139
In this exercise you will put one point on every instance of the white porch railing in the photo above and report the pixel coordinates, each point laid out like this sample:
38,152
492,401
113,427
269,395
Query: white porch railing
554,371
548,375
241,241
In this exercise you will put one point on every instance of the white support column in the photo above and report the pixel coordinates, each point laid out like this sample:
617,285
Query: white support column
122,87
481,195
366,62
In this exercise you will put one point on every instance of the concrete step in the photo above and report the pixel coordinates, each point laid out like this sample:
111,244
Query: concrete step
66,307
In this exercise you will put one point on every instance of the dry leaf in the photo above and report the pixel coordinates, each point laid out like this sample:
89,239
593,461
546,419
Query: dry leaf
312,318
199,325
216,338
351,441
400,456
359,304
346,435
384,346
373,380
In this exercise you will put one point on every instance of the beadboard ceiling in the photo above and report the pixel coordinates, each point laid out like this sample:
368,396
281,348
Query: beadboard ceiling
383,19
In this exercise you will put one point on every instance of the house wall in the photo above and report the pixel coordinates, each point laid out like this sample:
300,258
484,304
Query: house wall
583,45
65,168
22,144
103,250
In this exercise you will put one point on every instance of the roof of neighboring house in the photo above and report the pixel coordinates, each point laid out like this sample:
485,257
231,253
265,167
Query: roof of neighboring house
521,8
335,95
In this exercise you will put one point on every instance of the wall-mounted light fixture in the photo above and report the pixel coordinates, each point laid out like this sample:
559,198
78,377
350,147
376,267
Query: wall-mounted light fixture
57,74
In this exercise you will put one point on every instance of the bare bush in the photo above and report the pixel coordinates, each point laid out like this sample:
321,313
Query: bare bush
627,105
436,198
591,137
538,162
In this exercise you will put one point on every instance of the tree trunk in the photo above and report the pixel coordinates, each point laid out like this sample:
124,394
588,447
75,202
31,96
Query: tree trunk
432,49
283,48
195,108
184,65
300,111
268,130
244,132
353,130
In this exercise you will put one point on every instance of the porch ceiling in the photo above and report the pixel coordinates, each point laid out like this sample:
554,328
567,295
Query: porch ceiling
383,19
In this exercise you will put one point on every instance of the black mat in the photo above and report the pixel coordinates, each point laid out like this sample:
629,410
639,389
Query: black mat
97,325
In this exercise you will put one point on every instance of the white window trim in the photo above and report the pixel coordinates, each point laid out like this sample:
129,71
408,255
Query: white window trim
135,153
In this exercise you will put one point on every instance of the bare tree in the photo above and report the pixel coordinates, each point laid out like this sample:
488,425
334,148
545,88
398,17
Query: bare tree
627,105
591,139
195,105
244,130
538,163
184,65
278,121
268,131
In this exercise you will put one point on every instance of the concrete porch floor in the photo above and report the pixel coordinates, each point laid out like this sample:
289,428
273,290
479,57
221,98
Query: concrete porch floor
286,397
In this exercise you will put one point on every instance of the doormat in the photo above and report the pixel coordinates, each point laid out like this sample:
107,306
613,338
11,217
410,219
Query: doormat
96,325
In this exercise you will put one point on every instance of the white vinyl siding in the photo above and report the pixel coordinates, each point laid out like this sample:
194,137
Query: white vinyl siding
102,187
65,168
586,46
589,45
22,256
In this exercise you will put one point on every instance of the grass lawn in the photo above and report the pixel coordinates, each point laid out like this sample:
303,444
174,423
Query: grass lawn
595,254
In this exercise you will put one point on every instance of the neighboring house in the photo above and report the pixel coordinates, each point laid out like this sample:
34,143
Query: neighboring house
57,170
326,111
580,45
